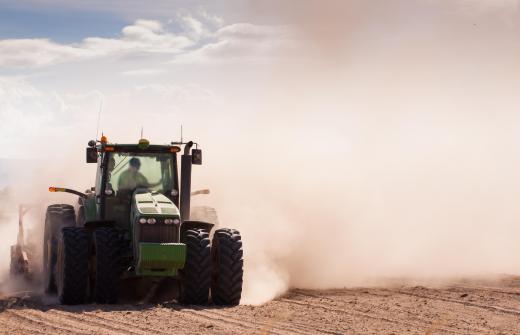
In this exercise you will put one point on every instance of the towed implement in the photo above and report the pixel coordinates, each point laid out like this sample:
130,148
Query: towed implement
135,223
20,252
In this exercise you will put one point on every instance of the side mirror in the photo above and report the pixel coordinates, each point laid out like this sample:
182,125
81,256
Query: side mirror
92,155
196,156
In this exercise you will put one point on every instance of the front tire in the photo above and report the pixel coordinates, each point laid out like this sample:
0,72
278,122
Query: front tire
107,248
228,267
72,266
196,274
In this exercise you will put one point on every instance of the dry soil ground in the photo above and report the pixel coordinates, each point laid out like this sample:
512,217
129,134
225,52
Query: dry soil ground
468,307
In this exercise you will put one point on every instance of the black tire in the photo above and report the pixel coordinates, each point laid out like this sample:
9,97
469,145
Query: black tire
72,266
196,274
57,217
108,255
228,267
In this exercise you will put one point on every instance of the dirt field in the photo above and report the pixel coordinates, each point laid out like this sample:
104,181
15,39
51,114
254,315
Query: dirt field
464,308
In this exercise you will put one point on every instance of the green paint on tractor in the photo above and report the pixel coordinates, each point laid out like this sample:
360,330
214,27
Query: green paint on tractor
160,259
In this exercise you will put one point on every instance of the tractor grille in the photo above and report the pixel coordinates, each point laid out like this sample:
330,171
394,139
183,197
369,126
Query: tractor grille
158,233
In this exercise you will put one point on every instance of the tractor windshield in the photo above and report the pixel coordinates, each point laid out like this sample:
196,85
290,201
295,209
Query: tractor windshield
128,171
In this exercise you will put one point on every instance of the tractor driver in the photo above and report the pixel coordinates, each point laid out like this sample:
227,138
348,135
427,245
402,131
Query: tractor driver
131,179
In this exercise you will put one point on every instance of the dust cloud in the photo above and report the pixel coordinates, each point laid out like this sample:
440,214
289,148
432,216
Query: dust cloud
392,148
383,143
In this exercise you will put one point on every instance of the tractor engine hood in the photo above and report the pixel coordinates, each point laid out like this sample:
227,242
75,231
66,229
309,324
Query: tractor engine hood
153,203
156,244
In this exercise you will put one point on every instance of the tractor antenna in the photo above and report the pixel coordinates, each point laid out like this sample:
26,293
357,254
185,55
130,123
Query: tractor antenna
142,128
99,117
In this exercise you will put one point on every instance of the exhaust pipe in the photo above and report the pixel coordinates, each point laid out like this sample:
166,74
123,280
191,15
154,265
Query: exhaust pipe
186,182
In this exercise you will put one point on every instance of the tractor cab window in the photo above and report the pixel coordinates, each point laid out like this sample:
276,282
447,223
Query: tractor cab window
129,171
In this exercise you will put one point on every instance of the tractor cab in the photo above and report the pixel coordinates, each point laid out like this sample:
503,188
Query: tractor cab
127,170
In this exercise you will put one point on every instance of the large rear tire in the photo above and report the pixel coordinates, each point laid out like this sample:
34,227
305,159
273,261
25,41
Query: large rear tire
57,217
107,248
72,266
196,274
228,267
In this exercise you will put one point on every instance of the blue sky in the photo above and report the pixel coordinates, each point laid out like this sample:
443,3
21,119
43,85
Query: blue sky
72,20
59,24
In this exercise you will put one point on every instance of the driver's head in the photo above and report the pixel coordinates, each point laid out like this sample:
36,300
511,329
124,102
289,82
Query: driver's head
135,163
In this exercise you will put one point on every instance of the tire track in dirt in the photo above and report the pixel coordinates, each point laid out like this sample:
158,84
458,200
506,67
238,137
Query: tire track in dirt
69,320
396,309
263,327
390,294
9,327
199,314
352,312
171,318
466,303
426,325
266,325
135,325
108,326
166,317
460,315
487,289
27,319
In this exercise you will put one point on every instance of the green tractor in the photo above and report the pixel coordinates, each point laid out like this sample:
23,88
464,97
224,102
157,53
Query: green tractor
135,223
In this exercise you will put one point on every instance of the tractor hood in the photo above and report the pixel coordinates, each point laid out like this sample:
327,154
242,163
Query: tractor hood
153,203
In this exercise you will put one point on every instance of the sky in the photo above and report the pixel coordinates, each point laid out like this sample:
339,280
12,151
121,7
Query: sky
62,60
393,124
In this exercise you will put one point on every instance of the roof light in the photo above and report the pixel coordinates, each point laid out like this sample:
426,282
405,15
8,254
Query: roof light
143,143
175,149
103,139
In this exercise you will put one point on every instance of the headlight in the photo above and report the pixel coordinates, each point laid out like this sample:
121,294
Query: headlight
172,221
151,221
174,193
142,220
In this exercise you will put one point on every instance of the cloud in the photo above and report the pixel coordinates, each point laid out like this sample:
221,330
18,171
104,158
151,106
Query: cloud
176,93
143,72
243,41
36,52
144,36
